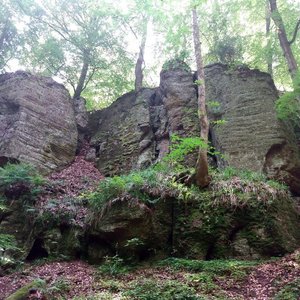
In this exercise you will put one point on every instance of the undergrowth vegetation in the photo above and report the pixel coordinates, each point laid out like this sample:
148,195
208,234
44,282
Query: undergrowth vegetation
19,173
216,267
228,186
20,181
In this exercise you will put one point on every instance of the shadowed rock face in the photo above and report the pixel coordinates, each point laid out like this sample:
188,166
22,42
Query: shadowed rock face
135,131
122,134
37,123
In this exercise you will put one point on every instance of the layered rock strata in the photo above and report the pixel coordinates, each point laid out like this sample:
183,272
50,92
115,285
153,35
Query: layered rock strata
37,122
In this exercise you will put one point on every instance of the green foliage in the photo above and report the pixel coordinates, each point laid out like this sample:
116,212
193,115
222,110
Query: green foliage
219,122
214,267
290,291
132,184
199,82
20,181
101,295
230,172
59,211
7,242
203,281
176,63
288,106
245,188
12,174
113,266
229,50
134,242
8,245
169,290
57,288
181,147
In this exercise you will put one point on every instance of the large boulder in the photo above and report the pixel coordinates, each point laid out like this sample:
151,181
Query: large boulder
132,229
37,122
210,228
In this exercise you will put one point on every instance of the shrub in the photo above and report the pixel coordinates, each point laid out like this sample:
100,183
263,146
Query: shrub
245,188
287,106
133,184
58,288
7,242
59,211
181,147
176,63
113,266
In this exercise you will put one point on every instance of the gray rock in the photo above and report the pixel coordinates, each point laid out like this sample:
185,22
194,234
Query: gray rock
135,131
37,123
122,134
251,136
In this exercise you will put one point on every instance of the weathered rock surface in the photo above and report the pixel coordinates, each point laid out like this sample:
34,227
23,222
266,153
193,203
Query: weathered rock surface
122,135
131,229
251,136
243,232
37,122
135,131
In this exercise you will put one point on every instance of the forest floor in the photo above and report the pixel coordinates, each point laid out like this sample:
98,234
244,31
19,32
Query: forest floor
275,279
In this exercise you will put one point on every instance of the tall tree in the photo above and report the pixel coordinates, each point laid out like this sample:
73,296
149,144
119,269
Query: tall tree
9,37
139,66
283,39
269,55
81,38
202,177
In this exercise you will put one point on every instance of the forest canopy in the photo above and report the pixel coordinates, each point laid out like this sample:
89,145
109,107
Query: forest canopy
102,49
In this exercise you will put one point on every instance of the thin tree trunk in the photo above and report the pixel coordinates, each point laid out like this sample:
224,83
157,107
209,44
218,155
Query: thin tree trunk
82,78
3,35
202,178
269,55
284,43
139,76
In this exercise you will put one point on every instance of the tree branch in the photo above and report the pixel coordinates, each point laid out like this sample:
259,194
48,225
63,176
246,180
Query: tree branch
295,33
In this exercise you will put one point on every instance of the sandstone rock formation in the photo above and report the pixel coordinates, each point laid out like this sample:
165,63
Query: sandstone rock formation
251,136
135,131
122,135
132,229
37,123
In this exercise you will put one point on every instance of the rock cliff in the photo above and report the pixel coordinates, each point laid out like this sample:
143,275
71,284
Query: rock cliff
40,125
250,136
135,131
37,122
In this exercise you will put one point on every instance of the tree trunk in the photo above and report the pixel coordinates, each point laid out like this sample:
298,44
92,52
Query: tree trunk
269,55
3,35
284,43
201,178
82,78
140,61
